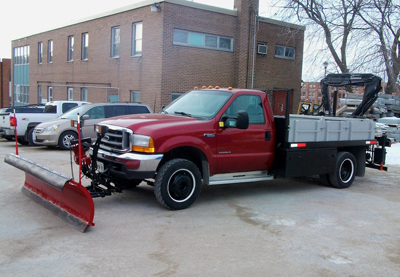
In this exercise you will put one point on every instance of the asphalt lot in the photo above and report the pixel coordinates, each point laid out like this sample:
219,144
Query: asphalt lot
292,227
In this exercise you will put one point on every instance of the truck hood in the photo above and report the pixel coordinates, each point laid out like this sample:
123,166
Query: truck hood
146,123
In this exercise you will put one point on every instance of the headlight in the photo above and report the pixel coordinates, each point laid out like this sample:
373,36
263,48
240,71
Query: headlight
140,143
51,128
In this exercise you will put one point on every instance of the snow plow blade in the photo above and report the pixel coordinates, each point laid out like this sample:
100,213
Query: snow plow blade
56,192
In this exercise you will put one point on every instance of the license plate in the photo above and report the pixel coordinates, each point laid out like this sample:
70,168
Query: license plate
100,167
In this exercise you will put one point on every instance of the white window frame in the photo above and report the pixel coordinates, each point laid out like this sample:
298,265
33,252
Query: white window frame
39,94
70,94
49,94
40,52
135,96
84,94
137,39
175,95
85,47
50,46
284,50
115,41
199,40
71,42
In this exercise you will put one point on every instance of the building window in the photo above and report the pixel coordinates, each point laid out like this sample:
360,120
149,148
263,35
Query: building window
50,51
84,94
49,94
70,57
70,94
137,37
40,52
175,95
39,94
21,75
135,96
284,52
115,39
193,39
85,46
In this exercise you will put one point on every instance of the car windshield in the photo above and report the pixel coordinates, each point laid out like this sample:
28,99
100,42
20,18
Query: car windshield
204,104
71,114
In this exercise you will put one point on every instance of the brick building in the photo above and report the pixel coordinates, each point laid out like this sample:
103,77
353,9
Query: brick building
5,78
152,52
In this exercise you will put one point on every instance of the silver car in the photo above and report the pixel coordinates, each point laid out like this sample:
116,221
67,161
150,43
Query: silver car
58,132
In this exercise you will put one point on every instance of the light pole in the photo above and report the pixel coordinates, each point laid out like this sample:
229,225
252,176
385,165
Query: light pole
325,66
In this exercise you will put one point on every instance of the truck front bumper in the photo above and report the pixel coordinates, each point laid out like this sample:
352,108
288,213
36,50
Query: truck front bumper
127,165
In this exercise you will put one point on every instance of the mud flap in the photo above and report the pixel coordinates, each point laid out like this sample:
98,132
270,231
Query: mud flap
56,192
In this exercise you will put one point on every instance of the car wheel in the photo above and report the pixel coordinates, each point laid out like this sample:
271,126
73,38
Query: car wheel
30,137
344,172
177,184
65,138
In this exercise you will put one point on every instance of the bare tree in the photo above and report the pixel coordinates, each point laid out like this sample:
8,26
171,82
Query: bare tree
337,20
383,17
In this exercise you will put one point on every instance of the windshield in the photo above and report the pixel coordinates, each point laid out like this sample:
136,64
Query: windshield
71,114
199,104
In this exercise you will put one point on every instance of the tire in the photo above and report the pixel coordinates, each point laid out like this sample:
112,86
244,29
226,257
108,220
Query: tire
22,141
64,139
177,184
344,172
324,178
30,137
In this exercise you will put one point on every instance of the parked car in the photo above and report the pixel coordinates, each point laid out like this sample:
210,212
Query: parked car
25,122
58,132
5,113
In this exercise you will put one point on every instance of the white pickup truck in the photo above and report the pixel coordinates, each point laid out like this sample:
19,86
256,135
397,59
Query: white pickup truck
26,122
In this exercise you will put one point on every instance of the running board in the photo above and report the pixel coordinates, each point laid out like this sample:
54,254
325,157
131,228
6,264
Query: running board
240,177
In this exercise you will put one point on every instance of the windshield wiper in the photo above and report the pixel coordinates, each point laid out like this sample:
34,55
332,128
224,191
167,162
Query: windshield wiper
183,113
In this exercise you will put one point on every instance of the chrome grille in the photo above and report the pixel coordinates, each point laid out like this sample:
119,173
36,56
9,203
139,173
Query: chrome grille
38,130
116,139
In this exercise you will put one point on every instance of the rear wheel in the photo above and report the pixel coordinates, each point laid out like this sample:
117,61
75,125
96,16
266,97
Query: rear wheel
178,184
344,172
65,138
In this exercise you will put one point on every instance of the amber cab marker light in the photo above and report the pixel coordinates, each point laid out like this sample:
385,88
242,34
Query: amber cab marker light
210,87
230,88
203,87
216,87
196,87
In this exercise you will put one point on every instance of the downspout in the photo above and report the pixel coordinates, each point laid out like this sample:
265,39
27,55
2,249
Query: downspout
254,47
1,83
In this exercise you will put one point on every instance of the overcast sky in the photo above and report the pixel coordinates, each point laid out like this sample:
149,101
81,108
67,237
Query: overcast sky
22,18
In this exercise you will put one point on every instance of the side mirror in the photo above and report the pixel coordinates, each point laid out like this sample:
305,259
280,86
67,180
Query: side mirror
241,121
85,117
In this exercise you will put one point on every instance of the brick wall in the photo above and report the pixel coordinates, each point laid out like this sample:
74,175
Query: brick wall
165,68
5,75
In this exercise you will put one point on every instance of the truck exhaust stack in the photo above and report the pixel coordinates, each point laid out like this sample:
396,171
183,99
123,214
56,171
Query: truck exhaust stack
56,192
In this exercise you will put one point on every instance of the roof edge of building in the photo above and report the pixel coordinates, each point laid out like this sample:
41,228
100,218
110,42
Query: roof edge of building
202,6
136,6
282,23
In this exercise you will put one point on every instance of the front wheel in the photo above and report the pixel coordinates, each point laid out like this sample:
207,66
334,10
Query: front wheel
30,137
178,184
65,138
344,172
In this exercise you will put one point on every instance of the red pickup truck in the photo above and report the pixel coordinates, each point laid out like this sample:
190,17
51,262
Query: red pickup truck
222,136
